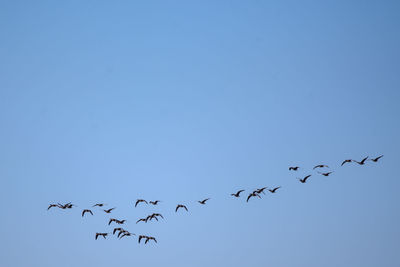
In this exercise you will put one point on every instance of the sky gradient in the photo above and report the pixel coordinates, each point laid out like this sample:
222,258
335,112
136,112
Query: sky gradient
110,101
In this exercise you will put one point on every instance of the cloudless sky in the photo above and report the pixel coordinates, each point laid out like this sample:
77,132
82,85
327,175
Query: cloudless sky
110,101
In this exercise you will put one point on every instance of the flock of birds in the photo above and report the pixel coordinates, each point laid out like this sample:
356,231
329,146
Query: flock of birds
121,232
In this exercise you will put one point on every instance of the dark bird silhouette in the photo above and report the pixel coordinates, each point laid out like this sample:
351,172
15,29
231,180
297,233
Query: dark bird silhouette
120,222
111,220
304,179
180,206
376,159
122,232
141,237
254,194
150,238
150,217
109,210
117,229
99,205
362,161
142,220
274,190
237,194
325,173
202,202
66,206
260,190
294,168
154,202
140,200
84,211
101,234
346,161
321,166
52,206
126,233
158,215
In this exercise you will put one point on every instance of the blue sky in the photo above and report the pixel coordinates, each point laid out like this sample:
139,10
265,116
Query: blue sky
110,101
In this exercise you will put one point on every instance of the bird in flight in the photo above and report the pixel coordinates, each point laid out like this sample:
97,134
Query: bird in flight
325,173
180,206
254,194
346,161
237,194
142,220
376,159
109,210
140,200
101,234
362,161
202,202
154,202
112,220
99,205
66,206
294,168
117,229
260,190
84,211
126,233
274,190
321,166
52,206
150,238
120,222
304,179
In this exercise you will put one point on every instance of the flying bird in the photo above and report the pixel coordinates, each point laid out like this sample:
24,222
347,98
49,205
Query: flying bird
109,210
202,202
111,220
101,234
325,173
154,202
376,159
117,229
237,194
99,205
180,206
254,194
260,190
52,206
126,233
304,179
84,211
141,237
274,190
362,161
346,161
142,220
294,168
321,166
140,200
150,238
120,222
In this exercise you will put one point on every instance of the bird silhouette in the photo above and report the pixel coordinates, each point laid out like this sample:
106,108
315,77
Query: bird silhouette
346,161
274,190
148,238
304,179
325,173
66,206
294,168
118,229
237,194
109,210
180,206
202,202
101,234
141,237
260,190
111,220
84,211
53,206
126,233
140,200
120,222
362,162
321,166
154,202
99,205
254,194
142,220
376,159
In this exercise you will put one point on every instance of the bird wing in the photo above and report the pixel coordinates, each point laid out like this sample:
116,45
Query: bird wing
249,197
177,207
137,201
185,207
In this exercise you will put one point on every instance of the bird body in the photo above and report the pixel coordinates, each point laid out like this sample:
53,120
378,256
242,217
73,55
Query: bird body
274,190
362,162
180,206
84,211
109,210
203,202
101,234
154,202
325,173
346,161
321,166
139,201
376,159
304,179
294,168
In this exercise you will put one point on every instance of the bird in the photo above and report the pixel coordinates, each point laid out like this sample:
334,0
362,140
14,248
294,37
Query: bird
154,202
84,211
202,202
142,220
362,161
304,179
140,238
121,233
111,220
66,206
120,222
117,229
52,206
346,161
109,210
150,238
325,173
101,234
180,206
376,159
150,217
158,215
126,233
274,190
140,200
321,166
254,194
99,205
237,194
294,168
260,190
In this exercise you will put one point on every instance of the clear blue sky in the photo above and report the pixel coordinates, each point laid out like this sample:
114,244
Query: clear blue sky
110,101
